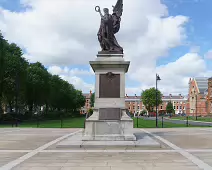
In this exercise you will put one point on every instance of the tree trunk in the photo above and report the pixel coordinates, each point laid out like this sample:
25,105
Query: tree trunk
47,108
10,106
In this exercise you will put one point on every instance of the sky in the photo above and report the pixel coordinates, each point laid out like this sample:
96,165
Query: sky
172,38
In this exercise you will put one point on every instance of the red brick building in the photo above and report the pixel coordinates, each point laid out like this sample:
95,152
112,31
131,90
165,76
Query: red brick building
134,103
209,97
87,105
197,104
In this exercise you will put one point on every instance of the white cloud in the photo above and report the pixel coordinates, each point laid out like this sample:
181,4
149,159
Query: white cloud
174,75
79,83
71,75
62,33
56,70
208,55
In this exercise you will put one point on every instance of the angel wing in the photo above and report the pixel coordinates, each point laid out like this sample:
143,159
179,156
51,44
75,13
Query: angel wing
117,13
118,8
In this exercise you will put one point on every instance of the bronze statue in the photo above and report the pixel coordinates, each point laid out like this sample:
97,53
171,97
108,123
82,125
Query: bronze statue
110,25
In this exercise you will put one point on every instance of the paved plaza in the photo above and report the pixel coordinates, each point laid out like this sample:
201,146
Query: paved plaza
36,149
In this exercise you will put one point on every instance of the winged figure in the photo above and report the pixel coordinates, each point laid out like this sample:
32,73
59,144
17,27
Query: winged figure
110,25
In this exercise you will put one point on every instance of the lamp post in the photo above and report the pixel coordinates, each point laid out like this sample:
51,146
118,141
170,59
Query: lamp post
157,79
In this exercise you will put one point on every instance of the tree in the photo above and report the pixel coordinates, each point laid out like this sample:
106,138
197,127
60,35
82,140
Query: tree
14,75
149,98
143,112
79,99
38,80
92,99
169,107
31,85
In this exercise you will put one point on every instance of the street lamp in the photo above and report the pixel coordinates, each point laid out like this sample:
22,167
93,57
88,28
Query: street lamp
157,79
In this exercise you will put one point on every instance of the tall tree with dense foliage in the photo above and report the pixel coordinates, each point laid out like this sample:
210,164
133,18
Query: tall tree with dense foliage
169,107
148,98
14,75
3,44
31,85
37,91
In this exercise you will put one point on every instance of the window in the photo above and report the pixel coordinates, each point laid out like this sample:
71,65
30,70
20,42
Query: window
174,107
133,107
177,107
138,107
161,107
87,101
180,107
129,108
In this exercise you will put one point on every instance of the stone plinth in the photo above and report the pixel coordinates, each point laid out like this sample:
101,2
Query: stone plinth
109,120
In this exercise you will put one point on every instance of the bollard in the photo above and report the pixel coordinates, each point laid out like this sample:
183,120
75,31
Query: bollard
61,121
137,121
187,121
162,121
37,121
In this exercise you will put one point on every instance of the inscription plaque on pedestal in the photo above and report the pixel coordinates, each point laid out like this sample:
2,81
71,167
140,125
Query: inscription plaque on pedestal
109,85
109,114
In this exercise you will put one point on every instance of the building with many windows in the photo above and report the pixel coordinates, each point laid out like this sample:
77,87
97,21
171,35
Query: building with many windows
135,105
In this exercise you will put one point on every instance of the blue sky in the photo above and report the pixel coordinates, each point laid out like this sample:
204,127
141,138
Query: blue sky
198,31
199,27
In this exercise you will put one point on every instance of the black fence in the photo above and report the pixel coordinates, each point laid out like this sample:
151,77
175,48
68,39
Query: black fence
169,122
50,120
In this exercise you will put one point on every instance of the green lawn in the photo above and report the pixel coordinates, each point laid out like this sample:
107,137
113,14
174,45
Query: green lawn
152,124
79,123
66,123
204,119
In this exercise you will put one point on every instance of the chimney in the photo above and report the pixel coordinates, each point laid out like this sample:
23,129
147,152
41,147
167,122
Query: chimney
170,95
135,95
90,91
126,96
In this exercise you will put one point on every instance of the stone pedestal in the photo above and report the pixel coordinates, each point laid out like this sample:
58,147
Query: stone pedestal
109,120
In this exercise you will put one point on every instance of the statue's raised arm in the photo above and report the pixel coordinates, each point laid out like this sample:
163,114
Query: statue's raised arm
110,25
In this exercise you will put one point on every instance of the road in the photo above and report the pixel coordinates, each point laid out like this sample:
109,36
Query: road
195,123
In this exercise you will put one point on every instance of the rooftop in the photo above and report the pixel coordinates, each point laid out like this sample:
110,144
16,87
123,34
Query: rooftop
202,84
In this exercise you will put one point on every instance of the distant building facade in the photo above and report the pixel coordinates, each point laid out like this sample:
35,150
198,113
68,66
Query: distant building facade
87,105
135,105
209,97
197,104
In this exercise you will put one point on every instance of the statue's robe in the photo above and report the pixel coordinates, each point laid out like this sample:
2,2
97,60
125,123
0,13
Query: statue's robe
106,35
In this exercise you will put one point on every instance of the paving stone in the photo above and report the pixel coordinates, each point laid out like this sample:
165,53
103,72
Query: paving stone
104,160
76,168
